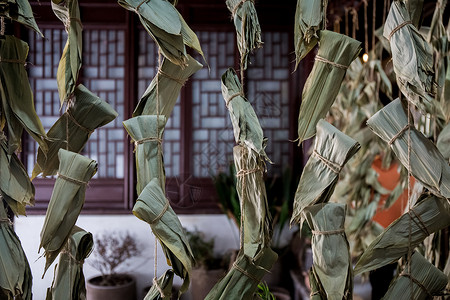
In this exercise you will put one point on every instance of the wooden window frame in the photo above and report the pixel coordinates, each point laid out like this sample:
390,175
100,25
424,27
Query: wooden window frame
202,15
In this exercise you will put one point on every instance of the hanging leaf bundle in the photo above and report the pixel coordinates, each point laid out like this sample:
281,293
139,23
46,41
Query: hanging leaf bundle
17,105
332,149
147,133
246,127
256,222
426,217
332,263
70,63
15,185
166,87
85,113
161,288
66,202
336,52
412,56
310,18
69,282
248,31
424,281
167,27
242,280
19,11
153,207
16,278
426,162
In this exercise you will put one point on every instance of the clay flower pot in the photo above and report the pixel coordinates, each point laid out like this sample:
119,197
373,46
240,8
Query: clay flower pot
116,287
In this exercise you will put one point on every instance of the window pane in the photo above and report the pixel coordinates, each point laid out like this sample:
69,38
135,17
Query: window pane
103,73
268,91
212,137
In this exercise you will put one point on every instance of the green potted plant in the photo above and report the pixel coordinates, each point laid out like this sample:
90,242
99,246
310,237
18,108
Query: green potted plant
208,268
280,191
112,250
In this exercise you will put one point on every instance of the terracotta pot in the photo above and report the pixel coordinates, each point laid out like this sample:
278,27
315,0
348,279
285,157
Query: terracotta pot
124,291
203,280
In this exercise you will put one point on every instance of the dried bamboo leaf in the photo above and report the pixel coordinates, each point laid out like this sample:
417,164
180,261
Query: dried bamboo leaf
412,56
163,284
425,218
86,112
69,282
147,133
15,278
153,207
166,85
257,222
443,142
21,12
166,26
243,278
17,105
332,149
66,202
248,31
427,164
424,281
310,18
15,185
336,52
69,65
332,262
246,127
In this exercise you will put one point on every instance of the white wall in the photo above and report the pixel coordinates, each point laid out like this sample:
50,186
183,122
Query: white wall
214,226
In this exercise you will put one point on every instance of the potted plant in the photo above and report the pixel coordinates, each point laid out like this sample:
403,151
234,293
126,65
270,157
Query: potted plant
112,250
208,267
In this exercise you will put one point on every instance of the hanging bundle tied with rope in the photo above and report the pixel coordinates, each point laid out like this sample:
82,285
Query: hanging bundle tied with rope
66,202
147,133
166,87
153,207
426,163
248,31
85,113
16,98
16,279
336,52
429,215
332,268
15,185
69,282
332,149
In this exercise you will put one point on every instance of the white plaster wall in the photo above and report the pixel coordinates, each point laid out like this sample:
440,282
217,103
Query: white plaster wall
213,226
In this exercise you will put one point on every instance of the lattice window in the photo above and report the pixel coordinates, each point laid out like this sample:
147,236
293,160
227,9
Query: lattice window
147,67
267,87
44,57
268,91
103,73
212,137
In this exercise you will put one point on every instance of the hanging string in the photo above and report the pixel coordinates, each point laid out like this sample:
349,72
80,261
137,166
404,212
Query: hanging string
2,26
241,230
385,10
346,20
366,27
374,25
337,24
355,25
408,263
